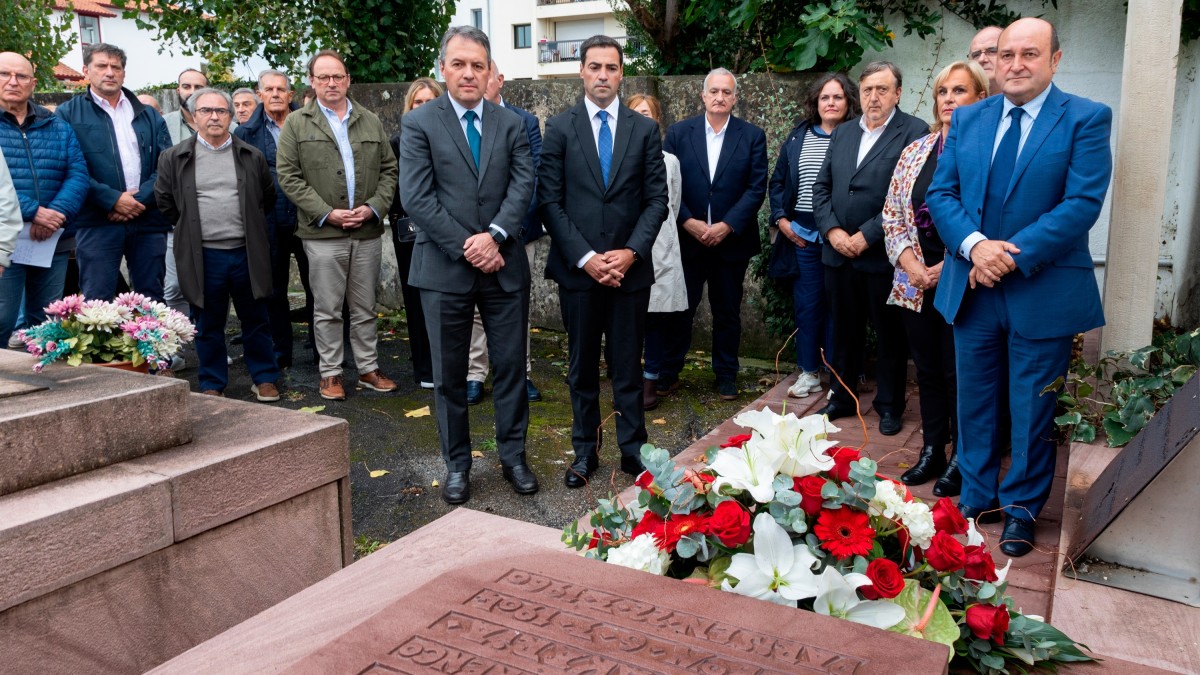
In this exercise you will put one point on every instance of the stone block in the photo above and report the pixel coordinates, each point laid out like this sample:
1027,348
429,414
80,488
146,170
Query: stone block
56,534
137,615
79,419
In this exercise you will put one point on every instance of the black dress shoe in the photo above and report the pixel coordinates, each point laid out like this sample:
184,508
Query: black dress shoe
456,489
950,483
578,472
991,514
834,411
889,424
930,463
1017,538
522,479
532,393
474,392
632,465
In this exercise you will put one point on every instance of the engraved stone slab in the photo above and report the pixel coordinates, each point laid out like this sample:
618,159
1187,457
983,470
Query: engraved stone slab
560,613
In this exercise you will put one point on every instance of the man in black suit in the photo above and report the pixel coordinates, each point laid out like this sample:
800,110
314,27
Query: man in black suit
723,164
848,200
466,181
603,191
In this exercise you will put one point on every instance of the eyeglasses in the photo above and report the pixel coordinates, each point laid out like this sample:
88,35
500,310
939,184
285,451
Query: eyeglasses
990,51
336,79
22,78
209,112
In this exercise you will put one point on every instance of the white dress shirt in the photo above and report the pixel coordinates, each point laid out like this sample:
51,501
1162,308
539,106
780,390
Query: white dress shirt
869,137
460,111
593,115
341,134
127,142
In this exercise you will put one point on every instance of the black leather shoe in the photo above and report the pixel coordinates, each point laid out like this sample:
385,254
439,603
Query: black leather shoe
950,483
991,514
522,479
580,470
632,465
532,394
834,411
474,392
456,489
930,463
1017,538
889,424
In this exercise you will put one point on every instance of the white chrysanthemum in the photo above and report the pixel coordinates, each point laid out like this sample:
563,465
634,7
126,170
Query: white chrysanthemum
178,324
101,315
642,553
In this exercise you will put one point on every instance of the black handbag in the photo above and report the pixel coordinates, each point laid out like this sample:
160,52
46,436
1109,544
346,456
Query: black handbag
782,265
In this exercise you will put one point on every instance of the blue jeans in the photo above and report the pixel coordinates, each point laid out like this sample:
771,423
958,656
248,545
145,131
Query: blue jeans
99,250
227,276
39,286
811,310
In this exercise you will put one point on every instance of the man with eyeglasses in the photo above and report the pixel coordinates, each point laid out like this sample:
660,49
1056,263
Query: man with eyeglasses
335,164
121,139
983,51
216,189
51,182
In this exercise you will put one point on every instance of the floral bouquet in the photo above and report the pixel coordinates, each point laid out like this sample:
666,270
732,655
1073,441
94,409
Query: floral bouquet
785,515
131,328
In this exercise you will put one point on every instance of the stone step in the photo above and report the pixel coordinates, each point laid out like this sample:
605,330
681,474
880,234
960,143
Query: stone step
66,421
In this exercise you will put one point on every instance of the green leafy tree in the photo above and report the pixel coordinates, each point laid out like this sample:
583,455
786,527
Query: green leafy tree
29,27
382,40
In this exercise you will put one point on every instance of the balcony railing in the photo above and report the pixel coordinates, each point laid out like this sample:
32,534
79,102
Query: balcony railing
568,50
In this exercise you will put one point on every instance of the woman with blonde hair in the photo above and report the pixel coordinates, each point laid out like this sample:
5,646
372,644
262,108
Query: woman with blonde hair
668,294
404,237
914,247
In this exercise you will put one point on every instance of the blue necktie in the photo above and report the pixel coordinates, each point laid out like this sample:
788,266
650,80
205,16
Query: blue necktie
472,135
1003,164
605,145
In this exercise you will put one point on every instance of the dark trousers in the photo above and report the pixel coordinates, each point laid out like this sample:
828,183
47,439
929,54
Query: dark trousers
418,334
987,347
226,277
724,279
285,246
449,317
99,251
855,298
931,341
620,317
660,332
814,331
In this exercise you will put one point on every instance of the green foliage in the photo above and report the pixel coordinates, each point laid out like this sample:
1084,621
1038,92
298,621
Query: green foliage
1123,390
382,40
29,27
1190,26
365,546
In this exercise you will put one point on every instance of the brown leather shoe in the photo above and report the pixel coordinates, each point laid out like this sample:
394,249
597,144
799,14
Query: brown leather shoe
266,392
649,394
332,389
376,380
213,392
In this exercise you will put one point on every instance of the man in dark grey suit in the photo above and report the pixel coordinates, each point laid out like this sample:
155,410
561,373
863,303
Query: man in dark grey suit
466,181
848,200
603,191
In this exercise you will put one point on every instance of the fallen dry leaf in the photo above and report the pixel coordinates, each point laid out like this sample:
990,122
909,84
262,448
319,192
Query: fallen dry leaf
658,421
419,412
378,473
312,409
435,483
476,453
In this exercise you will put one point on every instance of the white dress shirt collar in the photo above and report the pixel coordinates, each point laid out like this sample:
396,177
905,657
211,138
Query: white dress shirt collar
1032,108
612,110
460,109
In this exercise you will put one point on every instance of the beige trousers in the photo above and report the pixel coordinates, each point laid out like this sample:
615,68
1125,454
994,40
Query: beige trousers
344,270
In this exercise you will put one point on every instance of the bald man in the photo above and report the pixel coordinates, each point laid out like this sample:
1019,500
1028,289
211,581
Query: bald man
983,51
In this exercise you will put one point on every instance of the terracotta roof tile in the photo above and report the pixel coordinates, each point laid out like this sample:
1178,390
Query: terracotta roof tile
88,7
67,73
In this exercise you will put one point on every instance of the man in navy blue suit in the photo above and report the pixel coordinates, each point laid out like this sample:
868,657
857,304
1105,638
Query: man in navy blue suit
723,164
1020,182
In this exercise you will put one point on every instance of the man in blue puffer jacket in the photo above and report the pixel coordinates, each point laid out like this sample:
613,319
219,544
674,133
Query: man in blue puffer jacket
51,182
121,140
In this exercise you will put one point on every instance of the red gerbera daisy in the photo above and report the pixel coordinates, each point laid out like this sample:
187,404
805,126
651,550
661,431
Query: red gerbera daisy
845,532
680,526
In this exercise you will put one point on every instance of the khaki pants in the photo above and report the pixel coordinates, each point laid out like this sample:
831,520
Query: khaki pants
477,366
344,269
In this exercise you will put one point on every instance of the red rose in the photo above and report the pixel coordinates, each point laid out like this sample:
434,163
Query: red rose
945,553
979,564
644,480
988,622
651,523
597,538
730,523
886,580
680,526
736,441
809,488
842,457
947,518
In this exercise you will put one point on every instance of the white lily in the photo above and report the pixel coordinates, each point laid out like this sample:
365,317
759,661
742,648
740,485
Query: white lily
803,440
751,467
778,570
838,597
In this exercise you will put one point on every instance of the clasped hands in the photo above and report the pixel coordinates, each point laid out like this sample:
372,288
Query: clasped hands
849,245
126,209
708,235
482,251
919,276
45,223
350,219
991,259
608,269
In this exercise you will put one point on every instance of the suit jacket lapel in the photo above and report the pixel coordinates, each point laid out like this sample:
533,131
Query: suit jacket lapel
455,131
733,136
621,142
1047,119
700,146
488,136
583,131
891,133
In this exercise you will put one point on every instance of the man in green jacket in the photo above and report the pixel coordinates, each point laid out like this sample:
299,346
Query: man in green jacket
334,163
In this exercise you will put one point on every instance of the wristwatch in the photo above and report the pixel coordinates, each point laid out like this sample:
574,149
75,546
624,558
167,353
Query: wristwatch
497,236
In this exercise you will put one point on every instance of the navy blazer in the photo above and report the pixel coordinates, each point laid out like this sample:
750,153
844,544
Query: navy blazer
531,229
736,190
785,180
1053,200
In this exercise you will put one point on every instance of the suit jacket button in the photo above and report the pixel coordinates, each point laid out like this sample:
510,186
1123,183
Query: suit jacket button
979,212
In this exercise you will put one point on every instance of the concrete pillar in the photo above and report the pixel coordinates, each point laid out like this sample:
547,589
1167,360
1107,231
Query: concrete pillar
1140,171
